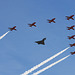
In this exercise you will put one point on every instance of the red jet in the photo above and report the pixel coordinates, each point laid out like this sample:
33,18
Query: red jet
52,20
70,17
72,53
71,27
12,28
72,44
71,37
33,24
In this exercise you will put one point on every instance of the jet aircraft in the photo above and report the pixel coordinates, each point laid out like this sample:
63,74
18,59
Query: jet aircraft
13,28
72,44
33,24
68,28
52,20
41,42
72,53
71,37
70,17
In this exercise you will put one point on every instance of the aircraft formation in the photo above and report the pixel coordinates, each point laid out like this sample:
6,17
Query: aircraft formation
50,21
69,28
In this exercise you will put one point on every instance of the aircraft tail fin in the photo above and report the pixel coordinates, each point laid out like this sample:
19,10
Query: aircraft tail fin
14,29
35,25
54,21
72,18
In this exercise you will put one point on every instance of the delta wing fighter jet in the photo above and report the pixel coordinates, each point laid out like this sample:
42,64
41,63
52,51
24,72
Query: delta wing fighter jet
41,41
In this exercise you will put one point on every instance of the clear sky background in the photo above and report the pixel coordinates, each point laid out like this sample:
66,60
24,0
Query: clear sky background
18,50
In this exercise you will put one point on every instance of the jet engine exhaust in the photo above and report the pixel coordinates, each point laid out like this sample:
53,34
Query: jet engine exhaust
42,63
38,72
4,35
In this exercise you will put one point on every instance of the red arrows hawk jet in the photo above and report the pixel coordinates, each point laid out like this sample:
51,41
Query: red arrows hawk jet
72,53
41,42
12,28
33,24
71,37
71,27
70,17
72,44
52,20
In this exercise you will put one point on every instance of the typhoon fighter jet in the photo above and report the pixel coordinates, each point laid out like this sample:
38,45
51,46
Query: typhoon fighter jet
52,20
13,28
70,17
71,37
72,44
68,28
33,24
41,41
72,53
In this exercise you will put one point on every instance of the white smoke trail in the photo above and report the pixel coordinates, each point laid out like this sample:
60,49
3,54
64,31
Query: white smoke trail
42,63
38,72
4,35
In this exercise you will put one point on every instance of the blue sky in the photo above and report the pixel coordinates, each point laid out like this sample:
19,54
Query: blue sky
18,50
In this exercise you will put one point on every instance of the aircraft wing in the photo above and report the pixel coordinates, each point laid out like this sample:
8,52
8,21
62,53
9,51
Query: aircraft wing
33,23
71,16
14,27
53,19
